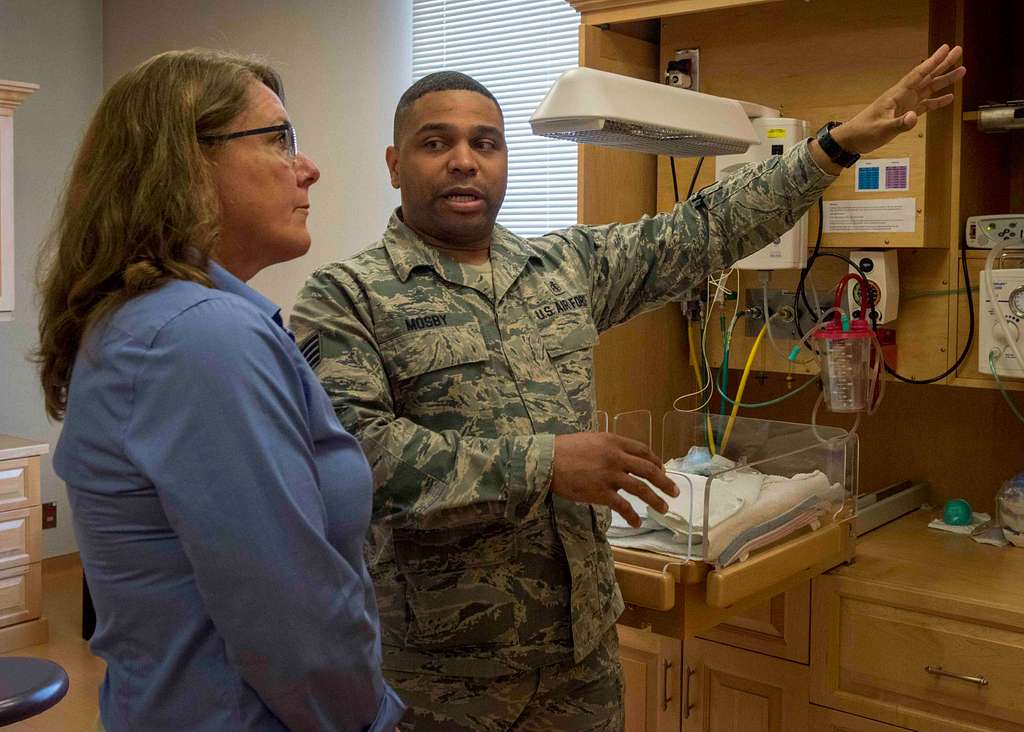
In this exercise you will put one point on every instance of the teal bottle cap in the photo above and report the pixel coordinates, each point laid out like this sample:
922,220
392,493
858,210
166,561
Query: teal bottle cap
957,512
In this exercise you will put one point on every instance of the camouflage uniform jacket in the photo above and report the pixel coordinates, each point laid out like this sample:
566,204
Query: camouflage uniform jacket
456,396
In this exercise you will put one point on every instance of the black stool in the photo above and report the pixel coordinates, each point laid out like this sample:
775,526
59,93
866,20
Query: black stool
29,686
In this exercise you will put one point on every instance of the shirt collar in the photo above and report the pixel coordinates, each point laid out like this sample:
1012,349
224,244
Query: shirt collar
509,255
224,280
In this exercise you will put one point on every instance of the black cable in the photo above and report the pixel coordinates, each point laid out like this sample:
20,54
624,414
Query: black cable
693,180
802,294
803,273
801,289
970,333
675,182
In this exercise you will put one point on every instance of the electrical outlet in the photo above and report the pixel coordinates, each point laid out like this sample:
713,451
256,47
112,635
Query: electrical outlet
50,515
783,328
683,69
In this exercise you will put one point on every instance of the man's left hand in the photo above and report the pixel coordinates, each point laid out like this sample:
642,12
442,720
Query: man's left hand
898,109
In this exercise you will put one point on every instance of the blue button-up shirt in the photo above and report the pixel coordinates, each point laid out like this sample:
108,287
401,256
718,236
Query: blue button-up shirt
220,511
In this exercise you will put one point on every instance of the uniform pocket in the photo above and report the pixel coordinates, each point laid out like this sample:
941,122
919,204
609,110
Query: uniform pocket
421,352
569,335
569,341
459,585
439,376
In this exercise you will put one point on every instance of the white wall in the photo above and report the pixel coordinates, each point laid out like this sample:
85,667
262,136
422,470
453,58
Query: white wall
58,45
344,62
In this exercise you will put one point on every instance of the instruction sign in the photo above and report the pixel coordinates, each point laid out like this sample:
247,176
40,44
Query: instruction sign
880,215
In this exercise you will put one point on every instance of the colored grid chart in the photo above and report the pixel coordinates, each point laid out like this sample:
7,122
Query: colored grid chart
896,177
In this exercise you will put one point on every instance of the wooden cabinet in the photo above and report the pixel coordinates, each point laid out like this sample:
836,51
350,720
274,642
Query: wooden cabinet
733,689
873,624
20,545
763,51
989,167
917,659
733,673
925,631
651,669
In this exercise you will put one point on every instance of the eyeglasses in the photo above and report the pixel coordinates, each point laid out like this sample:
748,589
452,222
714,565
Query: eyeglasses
292,149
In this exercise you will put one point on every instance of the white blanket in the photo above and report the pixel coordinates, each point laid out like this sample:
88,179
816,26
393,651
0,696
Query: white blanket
729,494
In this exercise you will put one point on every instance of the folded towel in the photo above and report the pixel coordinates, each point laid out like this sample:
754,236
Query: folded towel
808,513
729,494
778,496
641,510
657,541
647,525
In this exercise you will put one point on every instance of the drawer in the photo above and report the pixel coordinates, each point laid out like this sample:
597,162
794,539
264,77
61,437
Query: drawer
919,660
829,720
681,599
19,483
20,536
20,594
780,627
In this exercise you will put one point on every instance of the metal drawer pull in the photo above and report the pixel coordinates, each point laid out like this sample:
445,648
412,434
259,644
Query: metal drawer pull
665,696
686,692
937,671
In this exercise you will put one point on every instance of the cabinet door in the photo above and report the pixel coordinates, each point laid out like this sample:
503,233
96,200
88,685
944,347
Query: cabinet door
731,690
779,627
650,666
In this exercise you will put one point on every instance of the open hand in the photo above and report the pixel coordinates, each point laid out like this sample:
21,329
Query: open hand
898,108
592,467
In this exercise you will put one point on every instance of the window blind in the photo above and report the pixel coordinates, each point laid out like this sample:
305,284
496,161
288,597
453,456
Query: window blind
516,48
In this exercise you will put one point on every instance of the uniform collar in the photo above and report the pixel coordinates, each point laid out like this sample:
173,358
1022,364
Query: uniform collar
509,255
227,282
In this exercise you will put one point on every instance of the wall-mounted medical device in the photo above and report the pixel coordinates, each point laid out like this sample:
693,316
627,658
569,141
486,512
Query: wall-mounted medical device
1008,292
775,136
984,232
882,272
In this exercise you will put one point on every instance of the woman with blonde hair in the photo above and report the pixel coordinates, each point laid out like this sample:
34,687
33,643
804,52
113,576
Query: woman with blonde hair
220,509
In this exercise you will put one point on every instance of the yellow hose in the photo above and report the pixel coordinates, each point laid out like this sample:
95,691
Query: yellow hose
743,384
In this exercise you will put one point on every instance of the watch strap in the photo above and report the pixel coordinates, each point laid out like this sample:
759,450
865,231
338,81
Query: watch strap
833,149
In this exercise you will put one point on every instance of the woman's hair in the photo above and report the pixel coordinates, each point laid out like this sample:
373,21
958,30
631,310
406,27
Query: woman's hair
140,207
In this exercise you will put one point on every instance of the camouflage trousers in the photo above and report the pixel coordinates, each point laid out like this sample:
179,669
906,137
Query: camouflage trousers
565,697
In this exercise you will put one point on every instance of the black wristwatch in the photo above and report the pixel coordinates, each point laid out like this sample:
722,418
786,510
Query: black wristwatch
830,147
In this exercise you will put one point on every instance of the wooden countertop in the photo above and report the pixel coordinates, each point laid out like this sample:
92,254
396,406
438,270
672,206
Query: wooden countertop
18,447
906,553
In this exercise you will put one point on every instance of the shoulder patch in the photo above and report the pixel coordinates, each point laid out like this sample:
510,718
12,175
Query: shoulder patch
310,349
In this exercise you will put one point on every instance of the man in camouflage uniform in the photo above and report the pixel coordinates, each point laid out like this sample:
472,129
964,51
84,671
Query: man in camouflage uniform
461,356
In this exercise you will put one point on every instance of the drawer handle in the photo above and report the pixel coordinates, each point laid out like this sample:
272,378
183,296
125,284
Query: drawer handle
689,672
666,697
938,671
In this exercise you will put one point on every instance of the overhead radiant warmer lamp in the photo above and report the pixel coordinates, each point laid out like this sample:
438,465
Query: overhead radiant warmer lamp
609,110
596,107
